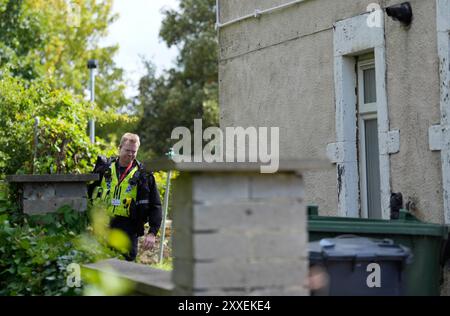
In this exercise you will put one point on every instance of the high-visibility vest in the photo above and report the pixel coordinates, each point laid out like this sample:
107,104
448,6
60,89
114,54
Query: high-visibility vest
118,196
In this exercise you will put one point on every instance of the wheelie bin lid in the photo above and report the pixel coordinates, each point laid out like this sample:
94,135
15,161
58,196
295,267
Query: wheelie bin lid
351,247
408,224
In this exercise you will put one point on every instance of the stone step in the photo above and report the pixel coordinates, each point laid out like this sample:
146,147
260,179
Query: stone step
147,280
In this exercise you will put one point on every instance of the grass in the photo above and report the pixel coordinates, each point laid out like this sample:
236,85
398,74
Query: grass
166,265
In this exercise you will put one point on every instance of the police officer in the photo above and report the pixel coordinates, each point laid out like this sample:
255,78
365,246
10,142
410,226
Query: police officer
130,193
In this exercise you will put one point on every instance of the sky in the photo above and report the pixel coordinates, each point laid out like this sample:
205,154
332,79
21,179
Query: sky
136,31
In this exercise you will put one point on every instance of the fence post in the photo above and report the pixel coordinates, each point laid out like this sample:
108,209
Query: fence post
170,154
36,126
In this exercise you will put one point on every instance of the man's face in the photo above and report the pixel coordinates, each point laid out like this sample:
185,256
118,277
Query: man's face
128,153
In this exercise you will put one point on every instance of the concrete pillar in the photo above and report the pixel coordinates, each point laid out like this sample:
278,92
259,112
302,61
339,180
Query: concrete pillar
239,232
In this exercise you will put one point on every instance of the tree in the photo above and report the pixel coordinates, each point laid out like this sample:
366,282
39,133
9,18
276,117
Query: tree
63,146
20,39
55,39
189,90
72,38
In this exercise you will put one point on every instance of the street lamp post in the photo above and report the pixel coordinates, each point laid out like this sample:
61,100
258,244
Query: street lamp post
92,65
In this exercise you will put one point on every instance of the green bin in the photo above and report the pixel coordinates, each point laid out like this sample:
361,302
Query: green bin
426,241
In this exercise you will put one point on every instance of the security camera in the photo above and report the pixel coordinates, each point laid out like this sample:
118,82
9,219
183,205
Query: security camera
401,12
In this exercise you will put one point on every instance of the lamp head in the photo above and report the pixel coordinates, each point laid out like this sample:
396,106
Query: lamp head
401,12
92,63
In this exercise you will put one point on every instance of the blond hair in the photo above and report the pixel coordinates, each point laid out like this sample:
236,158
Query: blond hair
129,137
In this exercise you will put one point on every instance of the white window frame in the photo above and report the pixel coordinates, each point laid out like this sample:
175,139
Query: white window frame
354,37
365,107
366,111
439,135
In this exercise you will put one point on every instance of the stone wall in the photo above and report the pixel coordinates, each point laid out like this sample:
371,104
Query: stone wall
47,193
238,233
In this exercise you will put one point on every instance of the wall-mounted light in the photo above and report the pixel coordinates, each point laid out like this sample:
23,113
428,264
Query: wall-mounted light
401,12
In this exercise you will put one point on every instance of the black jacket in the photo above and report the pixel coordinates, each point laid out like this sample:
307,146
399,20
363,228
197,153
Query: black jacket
148,205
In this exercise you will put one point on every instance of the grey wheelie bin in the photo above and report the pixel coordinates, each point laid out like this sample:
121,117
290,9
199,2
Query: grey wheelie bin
360,266
427,242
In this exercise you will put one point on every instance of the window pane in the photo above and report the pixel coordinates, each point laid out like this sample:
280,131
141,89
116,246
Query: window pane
370,93
372,169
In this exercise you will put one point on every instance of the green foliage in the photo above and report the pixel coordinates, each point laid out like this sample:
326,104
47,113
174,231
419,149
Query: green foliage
71,40
188,91
63,146
48,39
166,265
35,251
20,38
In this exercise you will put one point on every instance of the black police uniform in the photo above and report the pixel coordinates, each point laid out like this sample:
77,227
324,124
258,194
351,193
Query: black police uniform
146,208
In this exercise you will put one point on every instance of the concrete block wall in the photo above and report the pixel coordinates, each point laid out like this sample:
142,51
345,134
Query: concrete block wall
45,197
47,193
239,234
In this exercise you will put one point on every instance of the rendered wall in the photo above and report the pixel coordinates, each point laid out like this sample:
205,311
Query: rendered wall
277,70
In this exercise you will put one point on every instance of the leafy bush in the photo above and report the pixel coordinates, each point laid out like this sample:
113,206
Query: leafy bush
36,250
63,144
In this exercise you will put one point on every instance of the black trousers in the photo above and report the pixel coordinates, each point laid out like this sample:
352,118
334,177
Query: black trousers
124,224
